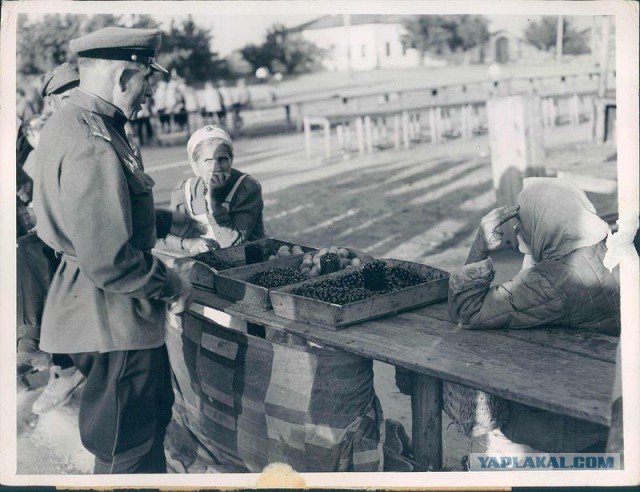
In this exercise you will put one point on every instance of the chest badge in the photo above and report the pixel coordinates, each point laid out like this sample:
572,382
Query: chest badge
132,164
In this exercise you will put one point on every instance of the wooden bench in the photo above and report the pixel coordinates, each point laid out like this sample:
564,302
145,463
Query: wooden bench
565,371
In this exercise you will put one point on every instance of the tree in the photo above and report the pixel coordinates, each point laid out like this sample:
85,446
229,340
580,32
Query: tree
543,35
186,48
283,50
44,44
426,33
256,56
469,31
442,33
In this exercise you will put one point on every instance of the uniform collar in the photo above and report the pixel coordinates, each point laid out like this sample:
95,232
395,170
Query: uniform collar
96,104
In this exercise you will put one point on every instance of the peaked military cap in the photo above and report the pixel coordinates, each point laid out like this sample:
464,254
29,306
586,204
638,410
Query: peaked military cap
120,43
60,79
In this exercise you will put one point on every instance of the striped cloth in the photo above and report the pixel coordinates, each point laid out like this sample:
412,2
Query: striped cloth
243,402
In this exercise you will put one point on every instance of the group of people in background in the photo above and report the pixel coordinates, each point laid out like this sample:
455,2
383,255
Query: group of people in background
178,106
173,106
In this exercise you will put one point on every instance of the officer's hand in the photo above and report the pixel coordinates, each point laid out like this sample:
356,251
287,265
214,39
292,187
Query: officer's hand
489,232
199,245
183,300
30,358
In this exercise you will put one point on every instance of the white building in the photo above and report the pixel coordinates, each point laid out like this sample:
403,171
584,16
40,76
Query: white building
367,42
362,42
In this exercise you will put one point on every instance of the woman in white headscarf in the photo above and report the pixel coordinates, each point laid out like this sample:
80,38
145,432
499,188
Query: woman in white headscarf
563,282
225,203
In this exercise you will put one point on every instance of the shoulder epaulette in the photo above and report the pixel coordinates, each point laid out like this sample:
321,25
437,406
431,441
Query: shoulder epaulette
96,125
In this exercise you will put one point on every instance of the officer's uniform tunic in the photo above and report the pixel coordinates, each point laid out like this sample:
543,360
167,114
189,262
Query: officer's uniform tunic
107,300
94,205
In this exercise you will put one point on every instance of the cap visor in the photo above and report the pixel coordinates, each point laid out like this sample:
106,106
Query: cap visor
158,68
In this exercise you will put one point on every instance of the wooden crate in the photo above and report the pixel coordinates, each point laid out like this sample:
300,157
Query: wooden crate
202,274
234,255
337,317
232,283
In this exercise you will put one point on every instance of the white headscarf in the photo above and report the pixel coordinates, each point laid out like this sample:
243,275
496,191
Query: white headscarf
208,132
557,218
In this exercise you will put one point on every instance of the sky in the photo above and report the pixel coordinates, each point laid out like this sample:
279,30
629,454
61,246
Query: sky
229,34
233,31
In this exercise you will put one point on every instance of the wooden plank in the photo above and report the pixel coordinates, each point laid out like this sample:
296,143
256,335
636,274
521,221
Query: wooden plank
405,129
589,343
368,133
544,377
327,138
360,135
396,132
201,275
591,183
208,298
340,135
426,411
307,137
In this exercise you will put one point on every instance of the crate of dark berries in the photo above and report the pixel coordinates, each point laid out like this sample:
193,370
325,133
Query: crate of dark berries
206,264
377,288
249,285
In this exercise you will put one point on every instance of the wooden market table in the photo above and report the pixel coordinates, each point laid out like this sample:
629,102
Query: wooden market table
566,371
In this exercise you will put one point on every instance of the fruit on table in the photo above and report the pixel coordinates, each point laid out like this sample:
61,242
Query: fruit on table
276,277
286,250
373,275
311,261
350,286
330,263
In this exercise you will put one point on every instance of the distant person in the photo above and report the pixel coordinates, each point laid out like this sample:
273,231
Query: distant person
143,130
212,103
225,102
241,99
174,100
160,107
191,106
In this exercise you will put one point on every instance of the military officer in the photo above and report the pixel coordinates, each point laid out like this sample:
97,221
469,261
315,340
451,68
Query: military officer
107,300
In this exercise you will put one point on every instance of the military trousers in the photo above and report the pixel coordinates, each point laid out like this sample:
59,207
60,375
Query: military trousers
125,409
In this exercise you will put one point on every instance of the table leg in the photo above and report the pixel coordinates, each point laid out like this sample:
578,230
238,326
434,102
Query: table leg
426,409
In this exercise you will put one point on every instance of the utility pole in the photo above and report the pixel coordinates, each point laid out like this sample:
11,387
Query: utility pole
600,121
346,19
604,56
559,36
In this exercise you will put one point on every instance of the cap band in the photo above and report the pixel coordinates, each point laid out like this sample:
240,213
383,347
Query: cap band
207,133
132,55
65,87
140,56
